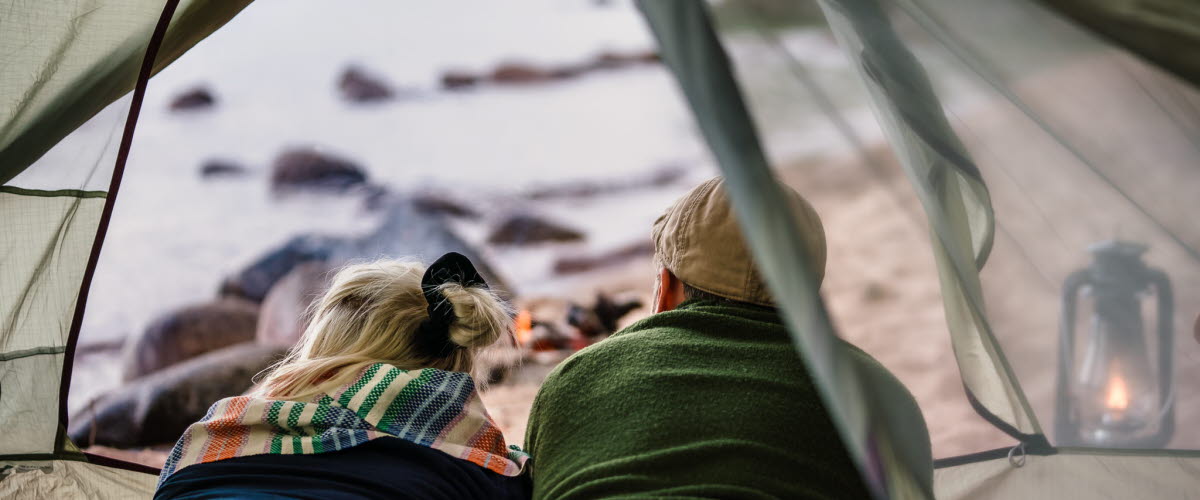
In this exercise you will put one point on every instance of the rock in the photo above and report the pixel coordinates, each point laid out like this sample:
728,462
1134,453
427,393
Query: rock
375,197
455,80
254,281
221,168
601,319
189,332
520,73
566,71
312,169
610,60
157,408
666,176
192,100
282,318
430,203
649,57
356,85
660,177
406,232
523,229
102,347
615,60
572,265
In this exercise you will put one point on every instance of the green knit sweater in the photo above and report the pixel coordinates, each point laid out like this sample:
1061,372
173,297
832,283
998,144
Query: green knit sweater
708,400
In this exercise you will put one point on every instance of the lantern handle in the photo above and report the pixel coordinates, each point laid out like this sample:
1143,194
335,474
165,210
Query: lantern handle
1065,425
1165,323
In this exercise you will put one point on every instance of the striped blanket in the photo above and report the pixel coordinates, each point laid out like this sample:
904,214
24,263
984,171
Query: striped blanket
430,407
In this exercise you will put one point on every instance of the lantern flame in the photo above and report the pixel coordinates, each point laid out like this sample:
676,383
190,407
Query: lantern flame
1118,394
523,329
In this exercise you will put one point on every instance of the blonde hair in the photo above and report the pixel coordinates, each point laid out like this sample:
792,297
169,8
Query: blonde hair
371,314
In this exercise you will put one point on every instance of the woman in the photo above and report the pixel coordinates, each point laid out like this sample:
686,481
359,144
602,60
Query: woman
374,402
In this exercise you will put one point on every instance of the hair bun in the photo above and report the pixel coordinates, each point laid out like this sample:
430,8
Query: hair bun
481,318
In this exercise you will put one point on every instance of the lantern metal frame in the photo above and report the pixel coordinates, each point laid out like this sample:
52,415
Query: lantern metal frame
1116,264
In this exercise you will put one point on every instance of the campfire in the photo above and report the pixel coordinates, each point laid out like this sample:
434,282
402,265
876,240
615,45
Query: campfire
579,327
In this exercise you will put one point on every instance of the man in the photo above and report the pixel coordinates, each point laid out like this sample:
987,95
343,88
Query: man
707,397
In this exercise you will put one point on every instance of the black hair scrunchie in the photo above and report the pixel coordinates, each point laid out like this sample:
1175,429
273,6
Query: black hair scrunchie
433,335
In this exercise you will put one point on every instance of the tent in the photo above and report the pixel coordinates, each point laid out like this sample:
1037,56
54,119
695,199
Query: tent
1017,194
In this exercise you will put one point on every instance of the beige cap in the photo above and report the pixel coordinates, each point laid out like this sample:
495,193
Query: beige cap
698,239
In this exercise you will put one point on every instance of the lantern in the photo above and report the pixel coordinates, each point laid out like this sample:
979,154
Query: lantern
1118,395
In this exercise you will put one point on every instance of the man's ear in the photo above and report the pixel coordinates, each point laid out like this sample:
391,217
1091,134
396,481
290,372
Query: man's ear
669,293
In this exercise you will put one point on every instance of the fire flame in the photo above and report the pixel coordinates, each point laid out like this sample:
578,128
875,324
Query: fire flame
1118,394
524,327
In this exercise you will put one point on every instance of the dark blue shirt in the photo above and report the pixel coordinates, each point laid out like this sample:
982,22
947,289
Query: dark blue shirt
381,468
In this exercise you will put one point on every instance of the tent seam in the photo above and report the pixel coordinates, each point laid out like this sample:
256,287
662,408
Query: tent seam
36,351
57,193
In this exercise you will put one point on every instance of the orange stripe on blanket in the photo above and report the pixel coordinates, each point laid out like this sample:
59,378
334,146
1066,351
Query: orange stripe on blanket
489,438
227,434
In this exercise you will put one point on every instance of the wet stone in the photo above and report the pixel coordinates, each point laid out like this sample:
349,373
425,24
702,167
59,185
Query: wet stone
307,168
157,408
192,100
524,229
221,168
255,280
356,85
189,332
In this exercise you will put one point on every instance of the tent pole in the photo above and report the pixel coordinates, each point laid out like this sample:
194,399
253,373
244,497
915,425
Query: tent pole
135,108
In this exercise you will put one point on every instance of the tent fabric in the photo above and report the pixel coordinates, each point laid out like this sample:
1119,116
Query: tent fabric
45,249
1166,32
1079,143
1073,474
952,192
690,48
70,479
65,61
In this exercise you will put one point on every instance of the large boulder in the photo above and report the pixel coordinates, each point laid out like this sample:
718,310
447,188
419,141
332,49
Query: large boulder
356,85
306,168
189,332
407,232
525,229
255,280
283,315
434,203
157,408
